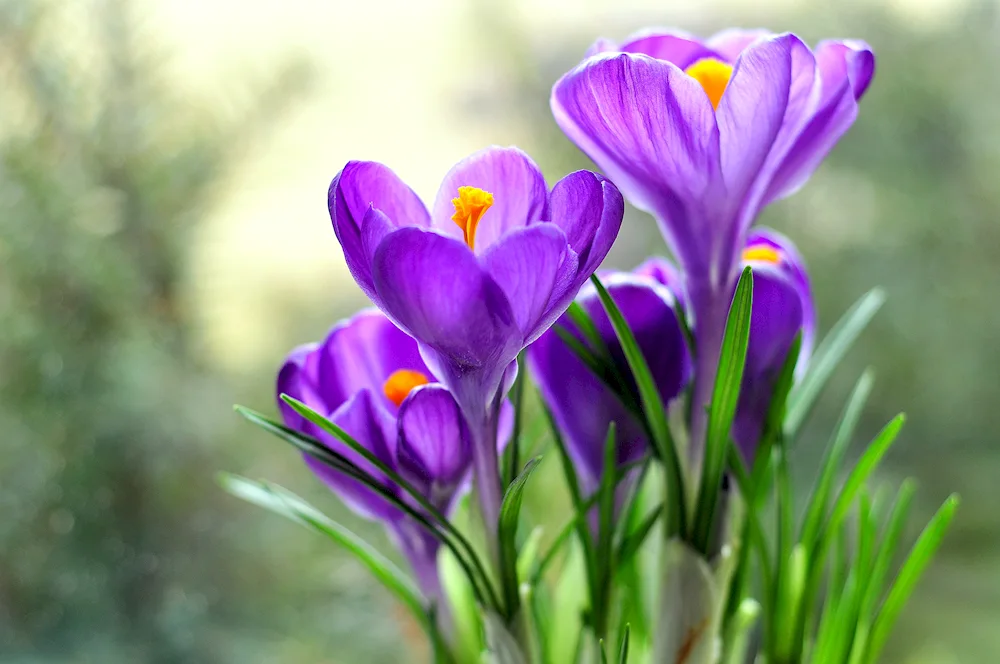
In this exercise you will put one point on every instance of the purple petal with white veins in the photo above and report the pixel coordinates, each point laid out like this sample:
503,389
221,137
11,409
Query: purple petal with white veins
359,186
517,185
436,289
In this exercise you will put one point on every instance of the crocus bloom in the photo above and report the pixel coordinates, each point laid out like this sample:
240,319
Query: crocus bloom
368,378
478,277
582,405
703,135
782,308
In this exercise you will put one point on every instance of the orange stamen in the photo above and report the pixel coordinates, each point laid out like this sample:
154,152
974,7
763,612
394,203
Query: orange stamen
470,206
402,381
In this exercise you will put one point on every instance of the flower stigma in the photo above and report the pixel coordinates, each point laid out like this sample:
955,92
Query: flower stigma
401,382
470,206
713,75
762,253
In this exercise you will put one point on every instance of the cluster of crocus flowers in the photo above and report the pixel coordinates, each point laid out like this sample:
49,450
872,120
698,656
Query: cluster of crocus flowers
702,135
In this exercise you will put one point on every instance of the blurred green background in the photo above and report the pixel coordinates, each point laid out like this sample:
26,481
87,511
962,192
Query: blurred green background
164,240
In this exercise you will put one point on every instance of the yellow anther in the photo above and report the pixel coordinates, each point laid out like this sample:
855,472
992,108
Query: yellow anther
713,74
762,253
470,206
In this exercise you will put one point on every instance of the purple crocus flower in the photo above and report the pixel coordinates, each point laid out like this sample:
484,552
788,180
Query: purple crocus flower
368,378
703,134
782,308
496,260
581,404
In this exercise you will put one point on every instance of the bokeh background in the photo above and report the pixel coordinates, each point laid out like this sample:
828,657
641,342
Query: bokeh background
164,240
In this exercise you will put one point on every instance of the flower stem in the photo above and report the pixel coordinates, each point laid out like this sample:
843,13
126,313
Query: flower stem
710,310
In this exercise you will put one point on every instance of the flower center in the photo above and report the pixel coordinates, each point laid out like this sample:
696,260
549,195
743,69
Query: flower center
470,206
402,381
713,74
762,253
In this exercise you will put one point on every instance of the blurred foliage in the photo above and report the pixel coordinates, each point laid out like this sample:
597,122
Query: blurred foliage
115,545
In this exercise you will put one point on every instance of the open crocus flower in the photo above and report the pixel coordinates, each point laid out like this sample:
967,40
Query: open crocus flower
368,378
493,263
703,134
782,308
581,404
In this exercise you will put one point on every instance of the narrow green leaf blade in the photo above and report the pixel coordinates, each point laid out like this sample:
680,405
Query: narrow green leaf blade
828,355
290,506
623,650
510,512
652,407
725,395
816,512
916,563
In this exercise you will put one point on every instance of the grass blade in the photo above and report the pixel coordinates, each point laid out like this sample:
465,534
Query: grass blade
725,394
290,506
623,650
909,574
653,410
510,512
828,355
818,503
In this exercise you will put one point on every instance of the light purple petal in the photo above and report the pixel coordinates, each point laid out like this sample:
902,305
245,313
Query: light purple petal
652,129
373,427
517,185
526,264
678,48
435,288
844,72
730,43
589,209
359,186
434,443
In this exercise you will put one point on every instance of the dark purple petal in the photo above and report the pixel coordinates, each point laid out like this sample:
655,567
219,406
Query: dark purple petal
652,129
299,378
359,186
527,264
360,354
373,427
435,288
589,209
434,443
517,185
730,43
678,48
582,405
782,307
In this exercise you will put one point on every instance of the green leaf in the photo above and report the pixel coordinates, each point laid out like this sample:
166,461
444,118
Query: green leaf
623,650
653,409
469,553
887,549
909,574
513,451
290,506
818,503
773,423
828,355
725,395
605,535
632,542
510,512
441,528
862,471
